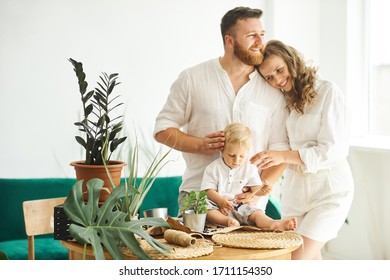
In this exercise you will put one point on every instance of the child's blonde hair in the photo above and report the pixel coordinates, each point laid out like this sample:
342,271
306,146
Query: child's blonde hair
237,132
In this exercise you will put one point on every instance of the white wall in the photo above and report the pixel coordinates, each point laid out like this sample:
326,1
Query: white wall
147,42
316,28
366,236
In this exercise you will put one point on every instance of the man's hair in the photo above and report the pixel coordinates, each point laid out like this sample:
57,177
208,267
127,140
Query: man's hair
230,19
238,133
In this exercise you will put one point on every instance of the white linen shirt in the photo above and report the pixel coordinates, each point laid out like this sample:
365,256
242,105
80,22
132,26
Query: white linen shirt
202,101
227,181
321,134
319,194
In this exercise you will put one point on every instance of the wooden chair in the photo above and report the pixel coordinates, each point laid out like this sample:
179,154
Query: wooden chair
39,219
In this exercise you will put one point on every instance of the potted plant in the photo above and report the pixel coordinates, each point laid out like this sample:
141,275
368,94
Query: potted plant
101,130
115,223
194,210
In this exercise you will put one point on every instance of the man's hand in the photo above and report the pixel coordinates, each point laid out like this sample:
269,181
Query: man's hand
180,141
213,142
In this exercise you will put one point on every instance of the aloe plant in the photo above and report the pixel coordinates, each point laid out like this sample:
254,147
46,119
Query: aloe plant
98,124
139,186
107,225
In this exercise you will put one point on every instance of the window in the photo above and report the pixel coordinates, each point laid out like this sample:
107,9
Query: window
378,22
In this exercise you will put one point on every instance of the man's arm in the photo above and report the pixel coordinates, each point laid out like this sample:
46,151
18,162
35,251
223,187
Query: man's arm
183,142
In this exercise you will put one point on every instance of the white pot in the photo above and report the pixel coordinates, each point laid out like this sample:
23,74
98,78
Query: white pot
196,222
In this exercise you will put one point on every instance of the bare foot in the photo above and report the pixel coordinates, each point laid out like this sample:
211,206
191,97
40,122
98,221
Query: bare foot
232,223
286,224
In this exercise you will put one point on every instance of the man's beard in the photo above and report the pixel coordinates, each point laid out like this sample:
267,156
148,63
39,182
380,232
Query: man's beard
246,57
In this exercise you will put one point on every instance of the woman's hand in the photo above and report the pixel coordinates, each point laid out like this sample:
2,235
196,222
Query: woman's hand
268,158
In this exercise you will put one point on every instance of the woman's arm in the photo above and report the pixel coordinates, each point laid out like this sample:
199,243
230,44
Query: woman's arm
276,159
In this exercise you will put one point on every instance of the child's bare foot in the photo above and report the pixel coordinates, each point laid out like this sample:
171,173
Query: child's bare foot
286,224
232,223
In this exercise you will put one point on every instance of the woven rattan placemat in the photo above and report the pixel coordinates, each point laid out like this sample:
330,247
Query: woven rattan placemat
258,240
202,247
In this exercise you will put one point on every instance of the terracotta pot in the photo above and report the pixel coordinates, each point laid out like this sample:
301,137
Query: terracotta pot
88,172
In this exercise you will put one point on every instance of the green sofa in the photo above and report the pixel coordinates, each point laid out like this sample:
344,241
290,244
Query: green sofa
13,239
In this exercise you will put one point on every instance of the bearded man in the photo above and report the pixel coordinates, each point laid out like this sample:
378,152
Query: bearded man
207,97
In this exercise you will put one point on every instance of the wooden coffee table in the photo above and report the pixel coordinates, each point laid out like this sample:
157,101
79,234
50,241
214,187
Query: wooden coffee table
219,253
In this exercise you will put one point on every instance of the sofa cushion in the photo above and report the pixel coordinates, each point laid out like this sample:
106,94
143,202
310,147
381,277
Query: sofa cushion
15,191
46,248
273,209
163,193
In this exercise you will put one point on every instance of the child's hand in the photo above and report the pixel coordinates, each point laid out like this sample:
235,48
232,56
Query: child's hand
262,190
265,190
224,205
258,191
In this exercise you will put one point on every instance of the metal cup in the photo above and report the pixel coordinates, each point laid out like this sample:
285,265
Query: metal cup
156,213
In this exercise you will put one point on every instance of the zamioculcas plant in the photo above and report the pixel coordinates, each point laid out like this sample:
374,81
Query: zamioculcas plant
100,127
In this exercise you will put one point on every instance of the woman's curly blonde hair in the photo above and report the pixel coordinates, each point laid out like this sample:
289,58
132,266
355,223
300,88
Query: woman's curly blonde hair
303,77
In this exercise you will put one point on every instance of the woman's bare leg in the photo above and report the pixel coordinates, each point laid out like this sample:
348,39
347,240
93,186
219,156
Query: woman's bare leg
310,250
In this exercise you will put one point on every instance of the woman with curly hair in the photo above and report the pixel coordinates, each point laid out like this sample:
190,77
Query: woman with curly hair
318,185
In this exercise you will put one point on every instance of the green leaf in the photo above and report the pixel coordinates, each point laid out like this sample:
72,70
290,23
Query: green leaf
88,96
195,201
111,88
81,141
116,142
88,110
101,121
83,86
80,75
106,225
113,76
